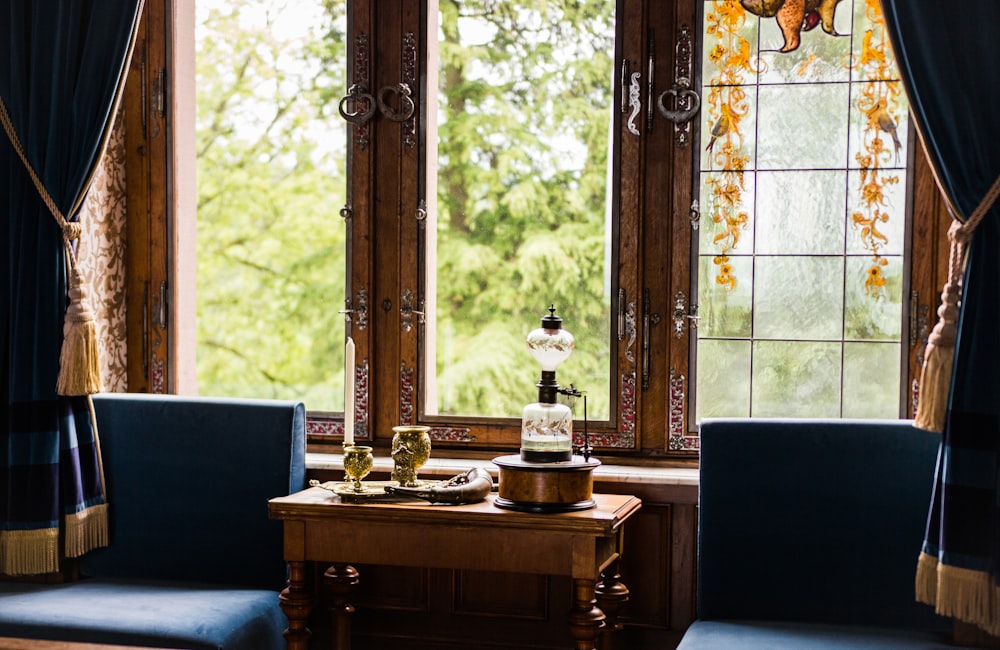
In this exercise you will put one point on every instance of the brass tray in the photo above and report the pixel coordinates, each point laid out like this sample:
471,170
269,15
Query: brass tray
371,490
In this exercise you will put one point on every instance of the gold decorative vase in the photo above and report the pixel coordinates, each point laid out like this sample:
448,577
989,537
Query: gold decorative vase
411,447
358,461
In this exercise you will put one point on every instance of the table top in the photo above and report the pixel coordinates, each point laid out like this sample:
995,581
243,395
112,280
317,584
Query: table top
317,503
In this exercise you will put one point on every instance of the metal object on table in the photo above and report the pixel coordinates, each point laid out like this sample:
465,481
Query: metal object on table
358,462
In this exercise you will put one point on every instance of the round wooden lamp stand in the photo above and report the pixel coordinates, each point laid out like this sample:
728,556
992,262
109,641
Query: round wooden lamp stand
545,487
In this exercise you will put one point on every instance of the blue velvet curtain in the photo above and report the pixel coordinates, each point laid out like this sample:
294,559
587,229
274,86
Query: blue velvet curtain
948,55
62,67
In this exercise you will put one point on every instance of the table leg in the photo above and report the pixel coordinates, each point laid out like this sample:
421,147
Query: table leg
341,579
586,620
296,601
611,594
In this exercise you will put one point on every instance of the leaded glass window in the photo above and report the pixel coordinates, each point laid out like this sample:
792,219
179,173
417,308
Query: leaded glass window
803,175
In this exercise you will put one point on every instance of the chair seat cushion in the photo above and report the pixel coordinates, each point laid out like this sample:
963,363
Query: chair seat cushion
776,635
151,614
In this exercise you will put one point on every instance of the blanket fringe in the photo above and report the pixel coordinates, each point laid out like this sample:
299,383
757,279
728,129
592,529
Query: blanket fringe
963,594
86,530
29,552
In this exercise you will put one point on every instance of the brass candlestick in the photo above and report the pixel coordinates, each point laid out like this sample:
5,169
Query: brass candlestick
358,461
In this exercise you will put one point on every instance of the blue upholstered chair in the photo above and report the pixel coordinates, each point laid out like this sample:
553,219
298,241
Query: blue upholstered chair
809,532
194,561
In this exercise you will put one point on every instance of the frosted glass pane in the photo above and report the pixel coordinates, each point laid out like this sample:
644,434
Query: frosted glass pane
879,111
723,384
725,300
876,216
800,213
804,126
798,298
819,57
872,374
727,210
874,299
794,379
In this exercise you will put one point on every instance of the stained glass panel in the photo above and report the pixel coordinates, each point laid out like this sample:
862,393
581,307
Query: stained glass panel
803,196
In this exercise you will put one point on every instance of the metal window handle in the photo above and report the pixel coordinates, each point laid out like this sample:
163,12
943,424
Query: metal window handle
405,102
357,94
686,101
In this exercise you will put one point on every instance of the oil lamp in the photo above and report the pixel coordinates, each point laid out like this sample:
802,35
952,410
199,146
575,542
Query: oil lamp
546,476
547,426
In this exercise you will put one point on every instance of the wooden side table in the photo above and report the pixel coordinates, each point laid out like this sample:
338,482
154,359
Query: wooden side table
583,545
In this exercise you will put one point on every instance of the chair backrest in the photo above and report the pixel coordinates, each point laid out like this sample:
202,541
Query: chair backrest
188,480
814,520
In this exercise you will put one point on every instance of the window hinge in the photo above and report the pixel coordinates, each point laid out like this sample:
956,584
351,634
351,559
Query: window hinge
683,314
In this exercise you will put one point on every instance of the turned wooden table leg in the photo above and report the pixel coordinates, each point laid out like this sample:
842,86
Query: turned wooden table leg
611,595
586,620
340,580
296,601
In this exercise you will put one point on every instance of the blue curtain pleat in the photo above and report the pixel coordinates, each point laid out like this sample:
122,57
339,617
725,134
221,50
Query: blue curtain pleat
947,54
61,68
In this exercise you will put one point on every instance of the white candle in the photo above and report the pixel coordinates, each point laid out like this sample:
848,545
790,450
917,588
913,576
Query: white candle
349,392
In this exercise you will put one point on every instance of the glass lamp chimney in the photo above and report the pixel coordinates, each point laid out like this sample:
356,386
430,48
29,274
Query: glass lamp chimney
547,426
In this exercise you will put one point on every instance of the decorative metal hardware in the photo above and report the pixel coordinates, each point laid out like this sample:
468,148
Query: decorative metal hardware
347,212
362,82
410,79
421,214
695,215
406,311
406,105
624,82
357,97
621,314
630,331
360,314
685,100
159,104
634,102
648,320
681,314
650,53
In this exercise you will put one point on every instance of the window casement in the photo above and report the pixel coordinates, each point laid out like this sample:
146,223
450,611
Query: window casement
403,208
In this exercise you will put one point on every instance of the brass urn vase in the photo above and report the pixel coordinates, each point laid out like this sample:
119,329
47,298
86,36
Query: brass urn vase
411,447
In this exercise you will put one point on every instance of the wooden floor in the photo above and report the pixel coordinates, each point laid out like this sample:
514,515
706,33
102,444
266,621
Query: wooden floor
7,643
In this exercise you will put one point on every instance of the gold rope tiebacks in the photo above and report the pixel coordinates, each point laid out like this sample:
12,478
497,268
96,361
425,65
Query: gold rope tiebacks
79,367
935,377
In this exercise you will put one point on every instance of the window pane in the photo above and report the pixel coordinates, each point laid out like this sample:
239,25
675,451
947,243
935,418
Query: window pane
803,188
271,254
523,217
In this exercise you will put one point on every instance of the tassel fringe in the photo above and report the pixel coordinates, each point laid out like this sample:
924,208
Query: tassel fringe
963,594
29,552
79,365
87,530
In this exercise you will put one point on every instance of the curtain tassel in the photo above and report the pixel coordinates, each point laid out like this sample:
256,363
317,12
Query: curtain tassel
79,364
939,357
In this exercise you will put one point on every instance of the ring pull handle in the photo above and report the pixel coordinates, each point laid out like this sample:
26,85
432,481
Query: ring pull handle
405,102
686,104
356,94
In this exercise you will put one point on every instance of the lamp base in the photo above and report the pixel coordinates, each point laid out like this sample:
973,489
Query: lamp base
545,487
